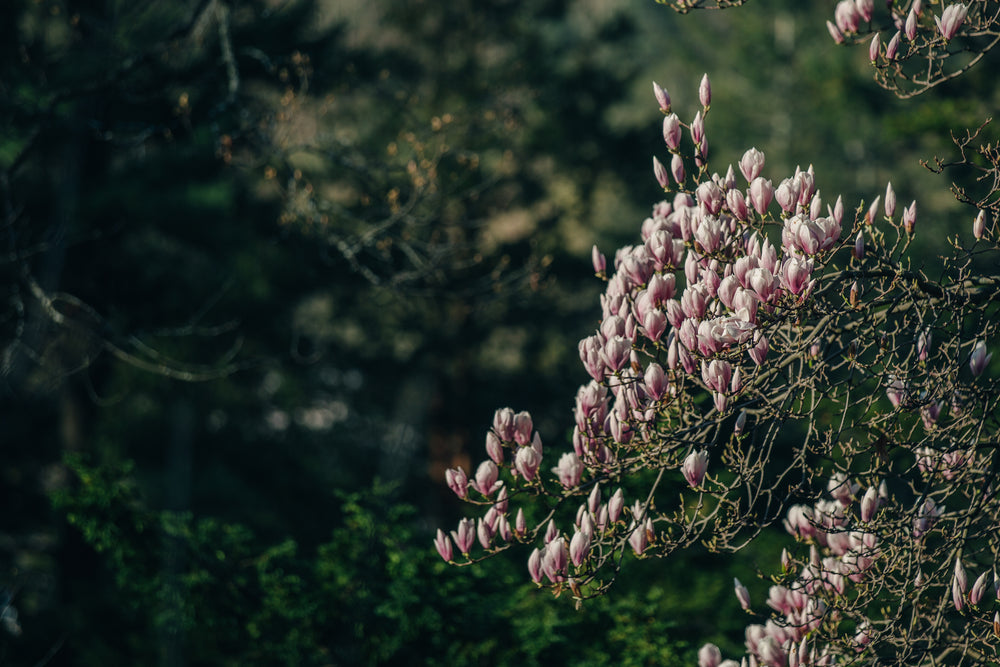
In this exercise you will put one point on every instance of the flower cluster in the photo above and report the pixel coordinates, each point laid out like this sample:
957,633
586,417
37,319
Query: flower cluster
922,31
749,321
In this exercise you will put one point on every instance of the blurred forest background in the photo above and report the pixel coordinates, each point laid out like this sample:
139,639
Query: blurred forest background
269,266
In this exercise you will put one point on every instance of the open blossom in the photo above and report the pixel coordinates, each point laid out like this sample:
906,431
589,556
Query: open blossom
847,17
569,470
486,478
951,20
465,536
795,275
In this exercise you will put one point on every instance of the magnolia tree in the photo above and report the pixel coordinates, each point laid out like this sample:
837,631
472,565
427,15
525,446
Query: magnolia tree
765,355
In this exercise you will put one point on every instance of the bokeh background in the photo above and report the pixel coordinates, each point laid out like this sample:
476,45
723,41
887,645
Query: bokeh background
269,267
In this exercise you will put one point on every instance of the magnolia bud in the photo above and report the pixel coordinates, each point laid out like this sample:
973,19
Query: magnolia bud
705,92
872,211
910,217
742,594
661,173
677,168
741,422
979,226
890,201
598,259
874,48
893,47
662,97
672,131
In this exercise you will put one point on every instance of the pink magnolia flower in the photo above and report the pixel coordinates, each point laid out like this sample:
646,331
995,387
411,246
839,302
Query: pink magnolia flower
709,656
457,481
978,589
979,359
869,504
795,275
637,540
716,374
493,448
660,172
677,168
924,344
579,547
787,194
522,428
890,201
465,536
711,196
956,596
742,594
927,514
842,488
838,37
951,20
486,478
910,217
615,505
737,204
503,424
694,468
598,259
698,128
930,413
751,164
662,97
672,131
892,48
485,531
705,92
872,211
874,47
761,194
615,352
443,545
979,226
527,462
655,324
655,381
910,27
758,351
535,566
569,470
865,8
